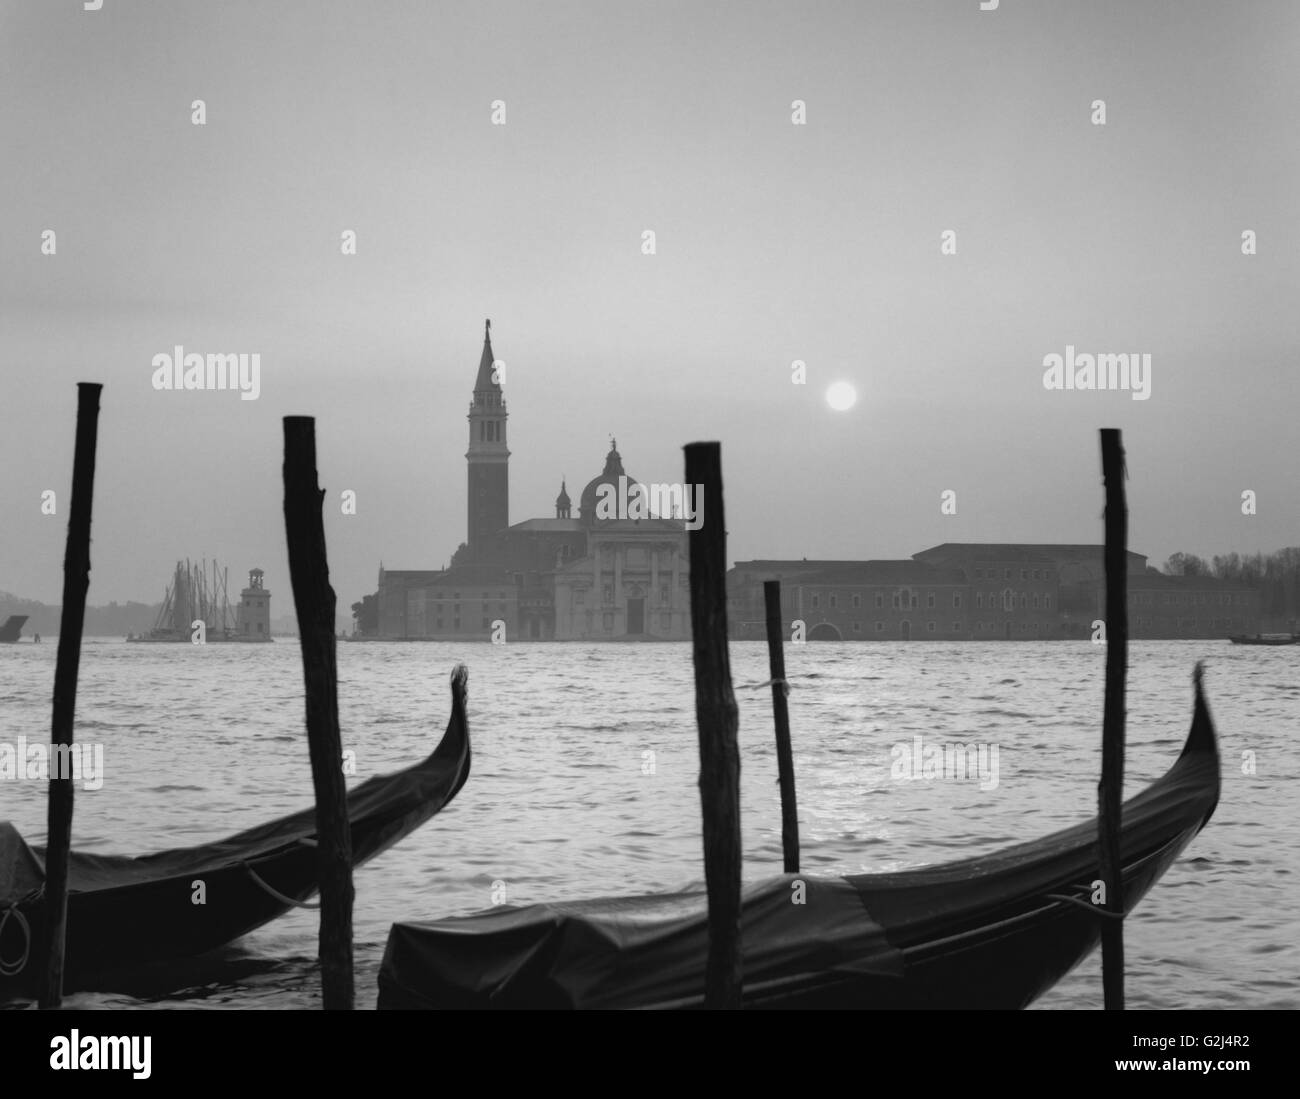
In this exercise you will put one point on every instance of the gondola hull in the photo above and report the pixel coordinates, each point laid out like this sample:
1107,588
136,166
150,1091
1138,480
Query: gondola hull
126,913
988,932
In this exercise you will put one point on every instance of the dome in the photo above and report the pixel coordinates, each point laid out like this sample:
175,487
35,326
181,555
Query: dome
608,476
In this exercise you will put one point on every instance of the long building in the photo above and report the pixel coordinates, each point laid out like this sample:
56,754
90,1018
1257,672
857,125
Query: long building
983,592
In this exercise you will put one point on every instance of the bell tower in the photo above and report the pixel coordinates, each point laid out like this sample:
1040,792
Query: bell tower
488,457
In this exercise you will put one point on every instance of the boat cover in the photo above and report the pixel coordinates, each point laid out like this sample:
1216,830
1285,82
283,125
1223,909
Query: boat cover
623,951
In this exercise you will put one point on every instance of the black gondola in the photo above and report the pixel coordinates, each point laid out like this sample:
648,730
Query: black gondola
993,931
126,912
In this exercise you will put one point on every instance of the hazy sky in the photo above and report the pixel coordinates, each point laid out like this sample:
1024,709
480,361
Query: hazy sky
775,242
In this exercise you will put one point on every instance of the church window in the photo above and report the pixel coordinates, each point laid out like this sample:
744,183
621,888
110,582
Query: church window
857,601
956,599
816,600
880,602
880,627
929,627
834,602
929,600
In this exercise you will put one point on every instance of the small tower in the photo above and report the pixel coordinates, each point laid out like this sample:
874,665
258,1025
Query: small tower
255,609
562,502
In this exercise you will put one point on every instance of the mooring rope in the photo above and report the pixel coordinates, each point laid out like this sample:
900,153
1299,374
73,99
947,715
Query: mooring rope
12,969
275,892
1091,909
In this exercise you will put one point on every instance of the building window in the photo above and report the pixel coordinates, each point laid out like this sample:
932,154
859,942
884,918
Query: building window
259,627
916,600
880,602
956,599
1024,602
857,601
979,600
834,602
1047,602
663,594
1035,574
1006,574
929,600
929,627
880,627
609,594
898,601
857,627
816,600
956,627
1035,600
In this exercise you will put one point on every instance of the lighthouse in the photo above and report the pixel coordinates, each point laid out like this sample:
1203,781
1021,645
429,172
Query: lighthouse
254,622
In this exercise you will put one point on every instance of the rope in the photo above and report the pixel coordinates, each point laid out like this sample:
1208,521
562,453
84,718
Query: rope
12,969
1091,909
275,892
785,685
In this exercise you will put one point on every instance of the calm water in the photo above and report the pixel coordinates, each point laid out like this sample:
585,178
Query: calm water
203,742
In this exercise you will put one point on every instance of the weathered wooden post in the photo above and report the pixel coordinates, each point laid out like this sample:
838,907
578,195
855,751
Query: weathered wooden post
1110,790
76,581
716,716
784,754
314,602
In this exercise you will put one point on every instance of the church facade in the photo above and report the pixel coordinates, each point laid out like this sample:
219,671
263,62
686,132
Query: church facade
589,576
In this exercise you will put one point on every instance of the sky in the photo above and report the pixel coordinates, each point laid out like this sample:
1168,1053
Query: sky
774,242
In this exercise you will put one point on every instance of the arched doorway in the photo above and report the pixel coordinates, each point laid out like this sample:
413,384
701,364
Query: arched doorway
824,631
905,628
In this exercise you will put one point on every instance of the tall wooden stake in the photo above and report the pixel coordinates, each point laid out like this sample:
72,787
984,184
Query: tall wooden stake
1111,788
76,581
784,754
314,602
715,714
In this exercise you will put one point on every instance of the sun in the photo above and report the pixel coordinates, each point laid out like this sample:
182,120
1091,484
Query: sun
841,396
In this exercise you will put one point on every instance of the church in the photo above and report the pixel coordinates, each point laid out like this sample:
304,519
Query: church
562,578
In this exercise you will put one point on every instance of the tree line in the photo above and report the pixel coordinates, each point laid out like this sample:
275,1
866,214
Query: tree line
1275,575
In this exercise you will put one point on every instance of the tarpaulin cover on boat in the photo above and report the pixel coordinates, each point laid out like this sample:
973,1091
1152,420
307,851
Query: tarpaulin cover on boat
992,931
626,951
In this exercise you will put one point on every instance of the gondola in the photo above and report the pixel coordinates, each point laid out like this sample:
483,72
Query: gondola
993,931
126,912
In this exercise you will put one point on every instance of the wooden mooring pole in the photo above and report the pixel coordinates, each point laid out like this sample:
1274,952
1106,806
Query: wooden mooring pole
784,753
76,581
314,602
1110,791
716,716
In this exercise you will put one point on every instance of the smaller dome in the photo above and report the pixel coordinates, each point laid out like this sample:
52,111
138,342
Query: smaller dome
562,501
